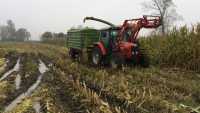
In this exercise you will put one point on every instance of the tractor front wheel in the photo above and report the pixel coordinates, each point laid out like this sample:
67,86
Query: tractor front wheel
96,56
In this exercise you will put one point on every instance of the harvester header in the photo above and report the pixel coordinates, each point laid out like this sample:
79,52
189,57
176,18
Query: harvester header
99,20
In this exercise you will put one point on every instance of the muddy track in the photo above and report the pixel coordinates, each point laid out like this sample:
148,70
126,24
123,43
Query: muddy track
70,96
164,91
141,104
8,79
29,72
113,100
11,71
171,80
138,106
63,95
28,92
26,81
160,85
11,58
163,85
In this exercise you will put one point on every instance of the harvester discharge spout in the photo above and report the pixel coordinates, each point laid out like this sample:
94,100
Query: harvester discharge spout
98,20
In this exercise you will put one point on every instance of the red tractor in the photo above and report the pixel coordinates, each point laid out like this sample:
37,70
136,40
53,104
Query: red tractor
118,44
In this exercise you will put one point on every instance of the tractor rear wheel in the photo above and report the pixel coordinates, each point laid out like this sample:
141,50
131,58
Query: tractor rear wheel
116,61
96,56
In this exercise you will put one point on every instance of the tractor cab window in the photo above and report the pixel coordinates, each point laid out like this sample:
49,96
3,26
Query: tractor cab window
105,38
104,34
114,34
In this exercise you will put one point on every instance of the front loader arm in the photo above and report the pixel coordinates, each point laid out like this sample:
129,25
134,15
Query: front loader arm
135,25
151,23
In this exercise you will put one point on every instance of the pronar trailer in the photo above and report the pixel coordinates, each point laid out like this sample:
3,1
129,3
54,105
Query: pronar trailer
81,41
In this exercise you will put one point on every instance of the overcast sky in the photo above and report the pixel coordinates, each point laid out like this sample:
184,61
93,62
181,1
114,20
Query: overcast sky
39,16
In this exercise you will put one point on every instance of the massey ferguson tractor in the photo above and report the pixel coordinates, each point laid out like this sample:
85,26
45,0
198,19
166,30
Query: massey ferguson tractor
115,45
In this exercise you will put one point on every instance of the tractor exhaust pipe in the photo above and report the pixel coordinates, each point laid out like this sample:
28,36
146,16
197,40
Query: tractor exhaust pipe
98,20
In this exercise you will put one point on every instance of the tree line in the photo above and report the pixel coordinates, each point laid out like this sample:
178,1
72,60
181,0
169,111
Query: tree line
8,32
53,38
57,38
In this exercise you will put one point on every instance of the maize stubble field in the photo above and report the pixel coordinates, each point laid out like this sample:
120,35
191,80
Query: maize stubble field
37,77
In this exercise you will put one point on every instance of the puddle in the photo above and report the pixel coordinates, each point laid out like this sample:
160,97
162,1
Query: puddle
42,67
50,65
16,68
20,98
18,81
37,106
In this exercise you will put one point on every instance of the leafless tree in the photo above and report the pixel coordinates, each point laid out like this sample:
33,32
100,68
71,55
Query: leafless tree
166,9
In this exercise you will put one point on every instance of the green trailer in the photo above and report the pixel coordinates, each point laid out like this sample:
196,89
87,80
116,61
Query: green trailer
81,41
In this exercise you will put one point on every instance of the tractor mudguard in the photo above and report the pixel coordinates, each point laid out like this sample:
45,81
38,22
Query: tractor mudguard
101,47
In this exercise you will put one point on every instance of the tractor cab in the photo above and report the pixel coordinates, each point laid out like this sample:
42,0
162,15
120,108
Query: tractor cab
108,36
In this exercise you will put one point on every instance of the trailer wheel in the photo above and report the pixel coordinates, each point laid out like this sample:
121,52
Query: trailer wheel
116,61
72,54
96,56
